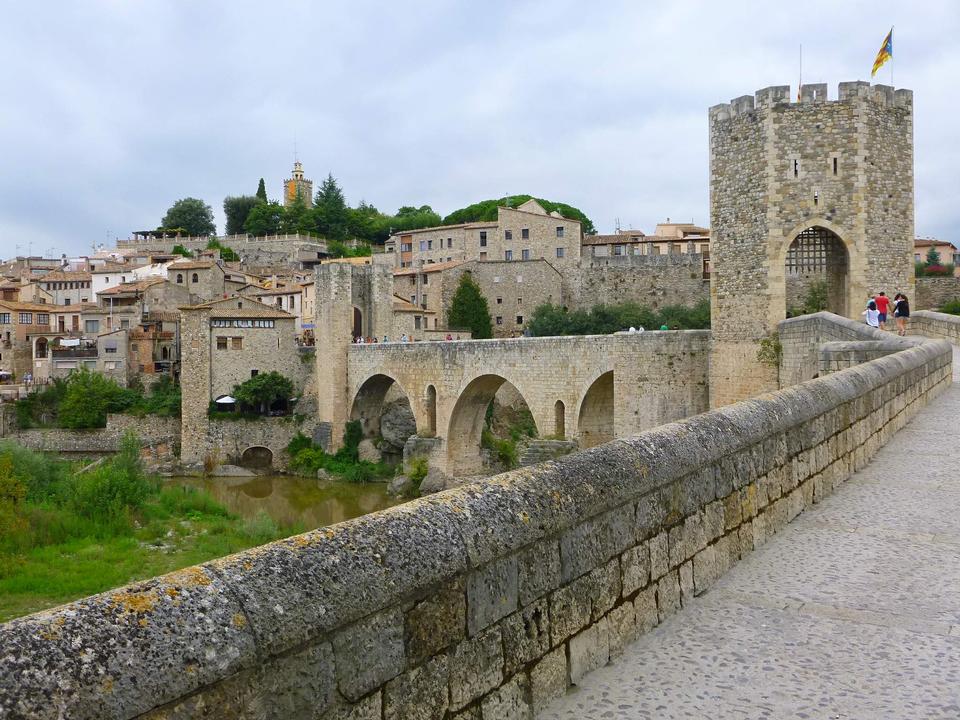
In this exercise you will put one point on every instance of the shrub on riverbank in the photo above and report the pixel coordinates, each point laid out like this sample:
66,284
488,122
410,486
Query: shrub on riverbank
307,457
65,534
605,319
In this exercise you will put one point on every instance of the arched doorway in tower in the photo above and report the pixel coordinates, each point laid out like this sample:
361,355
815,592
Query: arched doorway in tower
357,322
383,409
490,414
817,271
595,421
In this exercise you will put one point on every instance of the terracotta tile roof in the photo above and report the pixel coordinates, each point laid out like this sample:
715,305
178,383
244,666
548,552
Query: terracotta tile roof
931,242
469,226
192,265
111,267
227,308
26,307
128,287
429,268
401,305
61,275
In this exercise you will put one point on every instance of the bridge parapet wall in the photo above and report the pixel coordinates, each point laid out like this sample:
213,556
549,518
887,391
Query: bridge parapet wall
491,595
936,324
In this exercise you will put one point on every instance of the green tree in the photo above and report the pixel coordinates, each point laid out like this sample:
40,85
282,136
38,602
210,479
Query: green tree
933,257
262,191
236,209
264,219
89,397
486,210
179,249
262,390
192,215
469,310
296,218
226,253
330,211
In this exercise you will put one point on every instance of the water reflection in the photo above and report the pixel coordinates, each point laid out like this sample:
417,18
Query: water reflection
292,500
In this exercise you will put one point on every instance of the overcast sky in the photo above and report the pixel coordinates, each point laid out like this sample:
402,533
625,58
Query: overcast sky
113,110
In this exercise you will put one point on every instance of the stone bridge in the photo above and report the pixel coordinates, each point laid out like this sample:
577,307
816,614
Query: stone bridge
589,388
489,600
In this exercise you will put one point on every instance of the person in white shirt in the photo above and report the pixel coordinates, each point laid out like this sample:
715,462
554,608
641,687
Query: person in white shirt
872,315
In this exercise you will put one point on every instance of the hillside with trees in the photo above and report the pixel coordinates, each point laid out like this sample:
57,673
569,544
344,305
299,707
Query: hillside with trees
486,210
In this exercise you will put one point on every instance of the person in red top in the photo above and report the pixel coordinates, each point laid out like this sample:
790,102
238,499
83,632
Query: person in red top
883,304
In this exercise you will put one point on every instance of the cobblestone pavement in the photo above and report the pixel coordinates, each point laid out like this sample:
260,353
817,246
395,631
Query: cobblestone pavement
852,611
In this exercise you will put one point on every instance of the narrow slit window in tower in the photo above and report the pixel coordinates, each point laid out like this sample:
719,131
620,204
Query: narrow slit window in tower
834,166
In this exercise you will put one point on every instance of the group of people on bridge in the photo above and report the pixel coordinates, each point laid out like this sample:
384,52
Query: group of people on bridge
879,306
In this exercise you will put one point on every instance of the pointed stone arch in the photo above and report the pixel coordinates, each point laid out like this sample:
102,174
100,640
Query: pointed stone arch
595,420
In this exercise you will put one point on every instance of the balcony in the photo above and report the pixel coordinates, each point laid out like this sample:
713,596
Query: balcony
74,352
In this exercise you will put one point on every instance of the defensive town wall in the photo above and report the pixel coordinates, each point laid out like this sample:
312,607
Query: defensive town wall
649,280
484,601
933,292
160,434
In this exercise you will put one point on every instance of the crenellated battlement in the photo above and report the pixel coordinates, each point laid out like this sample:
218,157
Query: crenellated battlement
769,97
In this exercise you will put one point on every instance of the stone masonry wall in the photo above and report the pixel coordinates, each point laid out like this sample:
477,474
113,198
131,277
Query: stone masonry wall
650,280
933,293
934,324
778,168
485,601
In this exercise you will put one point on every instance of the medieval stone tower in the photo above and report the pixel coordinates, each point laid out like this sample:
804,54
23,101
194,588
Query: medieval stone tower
351,300
816,191
297,187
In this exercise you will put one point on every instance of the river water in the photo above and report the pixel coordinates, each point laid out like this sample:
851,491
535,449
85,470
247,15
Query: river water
293,500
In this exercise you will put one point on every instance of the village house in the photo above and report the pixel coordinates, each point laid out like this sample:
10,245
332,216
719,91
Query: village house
203,278
527,232
68,287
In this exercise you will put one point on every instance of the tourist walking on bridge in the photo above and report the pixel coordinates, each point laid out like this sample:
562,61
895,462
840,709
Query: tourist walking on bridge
901,311
883,304
872,315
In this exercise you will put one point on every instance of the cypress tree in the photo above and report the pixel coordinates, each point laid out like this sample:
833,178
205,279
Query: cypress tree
262,191
469,310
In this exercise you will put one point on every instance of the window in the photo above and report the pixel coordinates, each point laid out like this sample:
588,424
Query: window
253,373
560,252
26,318
704,248
500,301
91,326
416,322
110,346
134,347
221,343
43,318
483,238
835,166
423,246
796,168
525,254
618,249
559,231
413,299
180,278
519,301
430,244
66,301
236,343
449,242
519,319
426,279
406,247
195,278
483,256
525,234
508,234
123,278
499,320
508,254
106,280
5,317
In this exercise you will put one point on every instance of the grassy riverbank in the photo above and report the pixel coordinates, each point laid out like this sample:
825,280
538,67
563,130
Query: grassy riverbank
65,535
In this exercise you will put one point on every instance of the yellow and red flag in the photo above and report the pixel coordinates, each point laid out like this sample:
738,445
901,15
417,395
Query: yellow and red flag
886,53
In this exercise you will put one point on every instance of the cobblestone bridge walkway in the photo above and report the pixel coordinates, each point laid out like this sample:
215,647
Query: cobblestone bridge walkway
852,611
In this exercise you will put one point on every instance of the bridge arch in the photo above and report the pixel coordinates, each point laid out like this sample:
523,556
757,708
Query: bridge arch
371,397
595,418
258,457
467,421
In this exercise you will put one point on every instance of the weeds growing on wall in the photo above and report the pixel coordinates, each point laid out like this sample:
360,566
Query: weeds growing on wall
814,300
770,351
307,457
951,307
